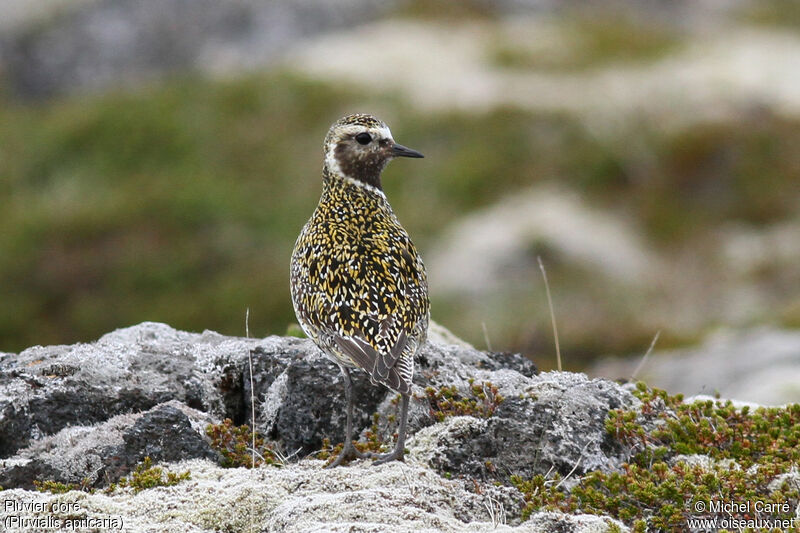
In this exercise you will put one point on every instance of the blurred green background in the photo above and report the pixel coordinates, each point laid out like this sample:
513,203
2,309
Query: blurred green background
176,196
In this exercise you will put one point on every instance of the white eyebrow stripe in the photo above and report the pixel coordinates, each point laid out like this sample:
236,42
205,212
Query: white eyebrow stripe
382,132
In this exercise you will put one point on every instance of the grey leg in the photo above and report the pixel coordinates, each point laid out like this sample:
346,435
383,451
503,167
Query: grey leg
348,450
399,449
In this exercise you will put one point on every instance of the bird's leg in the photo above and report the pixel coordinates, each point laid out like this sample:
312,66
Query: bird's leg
399,448
348,450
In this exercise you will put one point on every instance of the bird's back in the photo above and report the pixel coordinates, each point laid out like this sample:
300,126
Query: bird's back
359,286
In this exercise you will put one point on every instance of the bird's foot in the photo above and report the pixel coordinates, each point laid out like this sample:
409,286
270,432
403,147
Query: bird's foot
394,455
348,453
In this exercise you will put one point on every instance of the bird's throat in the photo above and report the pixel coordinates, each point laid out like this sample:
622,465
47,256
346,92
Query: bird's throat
365,168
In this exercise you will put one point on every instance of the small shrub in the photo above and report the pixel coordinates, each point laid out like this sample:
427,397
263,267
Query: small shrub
234,444
481,402
56,487
653,492
147,476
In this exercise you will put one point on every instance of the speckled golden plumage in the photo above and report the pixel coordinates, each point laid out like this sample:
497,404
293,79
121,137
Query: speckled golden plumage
358,284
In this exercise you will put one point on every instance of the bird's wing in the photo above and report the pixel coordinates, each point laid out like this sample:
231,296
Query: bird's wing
376,307
362,296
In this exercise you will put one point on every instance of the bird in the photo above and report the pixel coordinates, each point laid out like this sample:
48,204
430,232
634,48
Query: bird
358,284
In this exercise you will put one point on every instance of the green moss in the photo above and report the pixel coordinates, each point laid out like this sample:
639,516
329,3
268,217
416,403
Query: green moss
653,492
481,402
147,476
56,487
235,446
143,476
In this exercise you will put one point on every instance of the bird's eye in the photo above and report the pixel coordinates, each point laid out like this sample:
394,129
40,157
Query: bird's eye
364,138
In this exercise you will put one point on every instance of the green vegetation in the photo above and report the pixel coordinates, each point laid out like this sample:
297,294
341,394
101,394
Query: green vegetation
144,476
481,402
147,476
181,203
773,13
56,487
656,489
235,445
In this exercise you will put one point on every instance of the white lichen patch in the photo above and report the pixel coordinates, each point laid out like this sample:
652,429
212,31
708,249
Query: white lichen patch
304,497
425,444
706,463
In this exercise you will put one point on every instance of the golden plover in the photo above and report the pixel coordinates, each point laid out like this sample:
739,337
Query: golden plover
358,284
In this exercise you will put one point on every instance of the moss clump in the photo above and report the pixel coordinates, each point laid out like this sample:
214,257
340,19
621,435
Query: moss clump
144,476
481,402
56,487
713,428
147,476
656,490
235,445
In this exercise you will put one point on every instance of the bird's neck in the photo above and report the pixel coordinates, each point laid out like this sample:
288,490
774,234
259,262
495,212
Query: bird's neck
364,170
333,179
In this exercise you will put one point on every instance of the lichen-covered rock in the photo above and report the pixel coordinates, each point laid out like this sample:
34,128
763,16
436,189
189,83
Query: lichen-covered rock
45,389
98,455
89,413
551,421
392,498
299,393
299,396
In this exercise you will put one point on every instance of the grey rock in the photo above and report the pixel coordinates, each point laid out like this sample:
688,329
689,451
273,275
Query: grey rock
45,389
447,365
555,421
512,361
301,393
547,421
301,396
94,456
168,432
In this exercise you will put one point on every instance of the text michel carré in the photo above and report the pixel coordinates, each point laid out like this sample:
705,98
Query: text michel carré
774,508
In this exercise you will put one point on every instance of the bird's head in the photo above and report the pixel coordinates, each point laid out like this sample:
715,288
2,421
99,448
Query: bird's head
359,147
